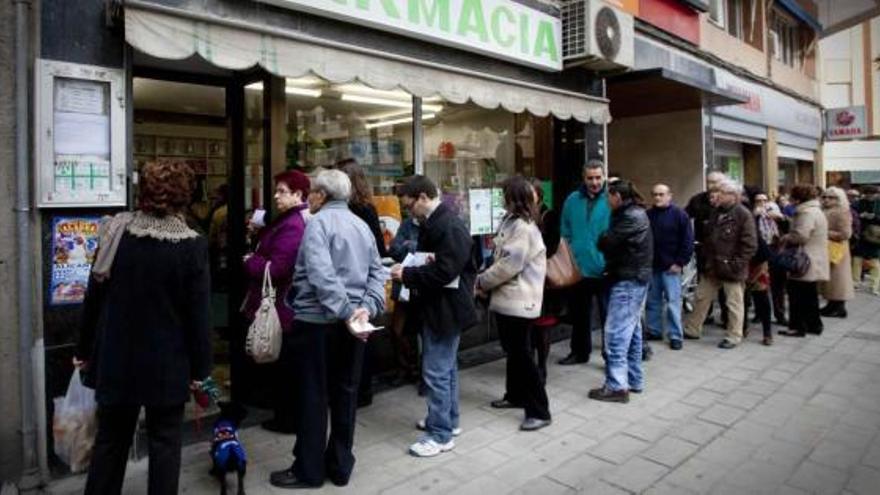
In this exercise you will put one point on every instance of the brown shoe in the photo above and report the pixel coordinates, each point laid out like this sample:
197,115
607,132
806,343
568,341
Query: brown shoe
768,341
605,395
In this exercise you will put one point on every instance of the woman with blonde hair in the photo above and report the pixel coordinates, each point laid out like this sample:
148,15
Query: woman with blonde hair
839,287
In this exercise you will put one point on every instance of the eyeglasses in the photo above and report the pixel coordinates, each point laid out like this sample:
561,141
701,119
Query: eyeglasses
657,195
829,197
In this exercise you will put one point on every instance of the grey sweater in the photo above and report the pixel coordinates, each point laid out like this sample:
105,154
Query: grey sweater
516,278
338,268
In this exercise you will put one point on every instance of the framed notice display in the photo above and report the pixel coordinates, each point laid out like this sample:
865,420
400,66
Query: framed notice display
80,135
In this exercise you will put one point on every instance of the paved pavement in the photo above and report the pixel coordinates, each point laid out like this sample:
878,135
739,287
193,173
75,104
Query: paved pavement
802,416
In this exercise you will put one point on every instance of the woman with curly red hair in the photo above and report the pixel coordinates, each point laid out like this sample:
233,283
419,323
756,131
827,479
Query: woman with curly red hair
144,339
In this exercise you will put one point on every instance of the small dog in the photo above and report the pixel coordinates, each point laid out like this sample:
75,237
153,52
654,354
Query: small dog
227,452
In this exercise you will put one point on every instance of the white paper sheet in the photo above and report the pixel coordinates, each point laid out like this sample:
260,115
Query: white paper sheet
421,258
82,134
78,96
480,206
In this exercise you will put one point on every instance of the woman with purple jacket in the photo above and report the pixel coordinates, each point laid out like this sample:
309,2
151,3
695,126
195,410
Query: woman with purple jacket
278,246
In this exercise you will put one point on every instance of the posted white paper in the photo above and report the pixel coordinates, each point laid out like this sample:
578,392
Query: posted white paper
80,96
82,134
480,206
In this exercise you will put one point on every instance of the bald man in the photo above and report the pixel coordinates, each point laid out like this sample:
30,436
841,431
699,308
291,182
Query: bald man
673,248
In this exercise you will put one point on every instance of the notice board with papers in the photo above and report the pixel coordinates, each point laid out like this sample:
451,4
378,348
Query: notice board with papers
80,134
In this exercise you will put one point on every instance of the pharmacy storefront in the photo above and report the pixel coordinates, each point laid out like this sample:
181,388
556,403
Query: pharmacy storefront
468,92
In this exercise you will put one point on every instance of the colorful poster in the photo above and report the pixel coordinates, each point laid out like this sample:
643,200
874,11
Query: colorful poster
74,242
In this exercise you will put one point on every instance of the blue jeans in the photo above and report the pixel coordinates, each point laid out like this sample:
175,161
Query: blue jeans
623,336
665,292
440,373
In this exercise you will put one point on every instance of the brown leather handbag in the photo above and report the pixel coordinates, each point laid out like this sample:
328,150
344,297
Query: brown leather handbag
562,271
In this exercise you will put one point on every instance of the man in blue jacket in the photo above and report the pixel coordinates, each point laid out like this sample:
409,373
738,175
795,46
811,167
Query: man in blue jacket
585,217
673,248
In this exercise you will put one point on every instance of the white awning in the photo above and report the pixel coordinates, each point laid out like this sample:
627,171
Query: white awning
851,156
176,34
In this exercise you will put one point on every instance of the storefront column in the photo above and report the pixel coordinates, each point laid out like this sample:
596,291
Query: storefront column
771,163
819,168
418,137
277,119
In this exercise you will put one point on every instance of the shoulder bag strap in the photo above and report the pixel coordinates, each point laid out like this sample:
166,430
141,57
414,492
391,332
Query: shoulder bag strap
268,289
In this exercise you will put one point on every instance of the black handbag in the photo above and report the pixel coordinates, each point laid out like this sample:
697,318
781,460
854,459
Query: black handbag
793,260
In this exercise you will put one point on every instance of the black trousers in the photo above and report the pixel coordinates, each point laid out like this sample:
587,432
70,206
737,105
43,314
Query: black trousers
803,305
116,426
778,279
580,312
284,386
329,361
523,383
762,310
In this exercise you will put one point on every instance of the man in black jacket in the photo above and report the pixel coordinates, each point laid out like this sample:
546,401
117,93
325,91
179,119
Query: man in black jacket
443,294
628,250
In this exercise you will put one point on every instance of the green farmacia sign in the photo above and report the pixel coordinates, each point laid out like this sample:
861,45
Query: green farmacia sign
497,28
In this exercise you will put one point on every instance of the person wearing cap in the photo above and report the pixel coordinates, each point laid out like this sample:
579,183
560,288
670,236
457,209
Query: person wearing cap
277,246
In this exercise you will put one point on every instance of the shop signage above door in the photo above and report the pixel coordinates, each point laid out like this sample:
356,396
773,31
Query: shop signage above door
845,123
769,107
496,28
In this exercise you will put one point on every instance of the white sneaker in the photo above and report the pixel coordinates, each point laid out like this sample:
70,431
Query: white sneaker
420,425
427,447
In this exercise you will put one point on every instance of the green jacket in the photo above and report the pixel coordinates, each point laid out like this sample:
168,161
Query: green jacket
584,220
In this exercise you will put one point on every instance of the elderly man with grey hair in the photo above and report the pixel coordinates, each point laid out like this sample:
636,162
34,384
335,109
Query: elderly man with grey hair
729,242
338,285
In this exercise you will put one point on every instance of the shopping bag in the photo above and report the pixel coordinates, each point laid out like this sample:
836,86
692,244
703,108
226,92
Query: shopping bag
263,341
562,271
836,251
75,425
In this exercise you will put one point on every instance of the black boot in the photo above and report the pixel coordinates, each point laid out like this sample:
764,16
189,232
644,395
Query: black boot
834,309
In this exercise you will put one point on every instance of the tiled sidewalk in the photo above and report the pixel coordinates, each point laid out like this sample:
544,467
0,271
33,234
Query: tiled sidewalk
800,417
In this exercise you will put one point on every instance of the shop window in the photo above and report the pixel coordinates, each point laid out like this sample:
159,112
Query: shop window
331,122
470,150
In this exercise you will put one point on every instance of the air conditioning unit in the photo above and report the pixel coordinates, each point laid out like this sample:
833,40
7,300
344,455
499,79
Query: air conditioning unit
596,35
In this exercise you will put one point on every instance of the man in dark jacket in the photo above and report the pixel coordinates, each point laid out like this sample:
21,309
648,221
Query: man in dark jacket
627,246
673,248
443,293
730,241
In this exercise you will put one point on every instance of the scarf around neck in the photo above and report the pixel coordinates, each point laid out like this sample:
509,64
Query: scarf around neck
170,228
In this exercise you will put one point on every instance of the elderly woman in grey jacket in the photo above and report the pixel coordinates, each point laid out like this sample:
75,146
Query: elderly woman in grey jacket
338,284
515,282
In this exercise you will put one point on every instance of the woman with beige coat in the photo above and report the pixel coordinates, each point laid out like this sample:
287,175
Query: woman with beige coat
810,231
839,287
515,282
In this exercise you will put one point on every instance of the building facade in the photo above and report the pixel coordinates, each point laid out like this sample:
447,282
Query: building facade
719,85
849,91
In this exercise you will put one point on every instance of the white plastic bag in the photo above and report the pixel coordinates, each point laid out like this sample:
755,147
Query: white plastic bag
75,425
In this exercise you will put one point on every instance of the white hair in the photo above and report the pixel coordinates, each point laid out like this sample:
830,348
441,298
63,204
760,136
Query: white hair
729,185
842,200
334,183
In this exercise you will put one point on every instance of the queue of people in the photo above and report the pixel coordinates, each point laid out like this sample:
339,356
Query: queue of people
146,339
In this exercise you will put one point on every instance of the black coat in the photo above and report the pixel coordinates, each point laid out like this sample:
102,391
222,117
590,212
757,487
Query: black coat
146,330
368,214
628,245
444,310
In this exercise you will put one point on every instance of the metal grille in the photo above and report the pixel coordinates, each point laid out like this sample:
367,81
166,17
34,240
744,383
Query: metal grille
574,28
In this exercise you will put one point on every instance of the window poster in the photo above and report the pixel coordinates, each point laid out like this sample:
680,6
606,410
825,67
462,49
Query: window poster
74,242
480,206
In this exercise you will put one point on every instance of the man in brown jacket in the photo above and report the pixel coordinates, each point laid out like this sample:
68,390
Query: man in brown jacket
730,242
